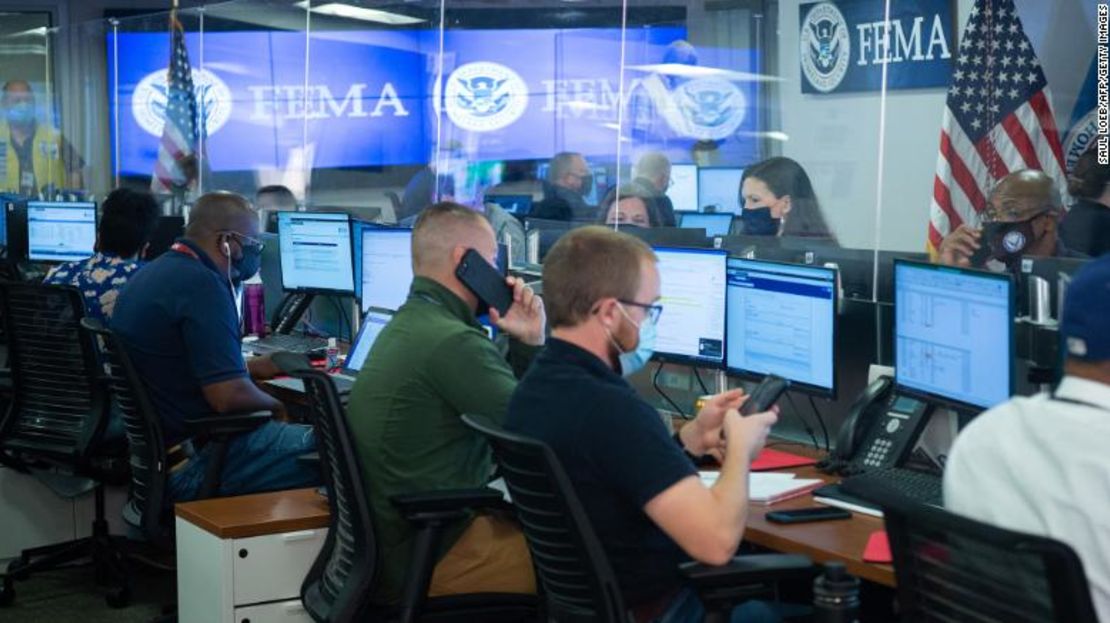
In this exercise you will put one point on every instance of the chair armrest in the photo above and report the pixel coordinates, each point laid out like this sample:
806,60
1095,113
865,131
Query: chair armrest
228,423
751,569
445,504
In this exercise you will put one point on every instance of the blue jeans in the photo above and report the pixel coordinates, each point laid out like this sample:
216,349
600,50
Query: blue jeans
264,459
687,608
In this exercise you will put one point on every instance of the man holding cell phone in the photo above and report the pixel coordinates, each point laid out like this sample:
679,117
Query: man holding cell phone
432,363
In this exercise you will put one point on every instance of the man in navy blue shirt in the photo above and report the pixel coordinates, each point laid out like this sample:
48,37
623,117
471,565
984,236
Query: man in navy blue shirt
178,321
637,483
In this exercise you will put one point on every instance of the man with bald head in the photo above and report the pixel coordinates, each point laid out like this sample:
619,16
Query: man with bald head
1023,212
33,156
177,318
430,365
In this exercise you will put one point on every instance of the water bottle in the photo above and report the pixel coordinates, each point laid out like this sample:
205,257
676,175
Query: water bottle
254,314
333,353
835,596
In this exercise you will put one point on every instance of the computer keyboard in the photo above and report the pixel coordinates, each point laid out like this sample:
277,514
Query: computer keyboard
301,344
923,487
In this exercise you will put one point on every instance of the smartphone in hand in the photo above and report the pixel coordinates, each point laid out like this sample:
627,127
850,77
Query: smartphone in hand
766,395
484,281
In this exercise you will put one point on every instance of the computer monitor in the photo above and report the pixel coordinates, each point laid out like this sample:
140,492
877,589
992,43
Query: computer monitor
692,287
372,324
316,252
782,320
953,334
719,187
166,230
684,186
519,206
386,267
692,237
60,231
714,224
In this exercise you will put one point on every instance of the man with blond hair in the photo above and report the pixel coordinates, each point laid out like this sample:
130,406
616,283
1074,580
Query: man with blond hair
431,364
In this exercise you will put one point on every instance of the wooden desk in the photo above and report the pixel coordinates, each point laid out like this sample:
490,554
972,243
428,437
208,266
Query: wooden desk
824,541
260,513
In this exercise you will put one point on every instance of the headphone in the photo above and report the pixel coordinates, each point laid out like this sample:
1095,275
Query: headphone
227,248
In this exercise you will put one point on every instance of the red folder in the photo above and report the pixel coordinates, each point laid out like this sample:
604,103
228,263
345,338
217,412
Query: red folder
878,548
769,459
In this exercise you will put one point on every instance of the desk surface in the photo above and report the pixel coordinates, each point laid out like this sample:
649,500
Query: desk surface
261,513
823,541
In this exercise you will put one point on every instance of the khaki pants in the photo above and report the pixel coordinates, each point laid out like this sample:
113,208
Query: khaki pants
491,556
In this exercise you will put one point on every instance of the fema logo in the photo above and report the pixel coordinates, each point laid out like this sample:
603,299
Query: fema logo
148,104
825,47
712,108
1082,135
482,97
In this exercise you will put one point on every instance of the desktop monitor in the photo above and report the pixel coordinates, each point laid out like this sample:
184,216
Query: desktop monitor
684,187
166,230
60,231
714,224
316,253
691,328
782,320
386,267
719,187
953,334
692,237
519,206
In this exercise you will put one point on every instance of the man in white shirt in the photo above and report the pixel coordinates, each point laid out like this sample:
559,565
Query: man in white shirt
1041,465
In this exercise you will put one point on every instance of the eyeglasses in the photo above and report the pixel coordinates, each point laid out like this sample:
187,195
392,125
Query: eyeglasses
653,311
248,241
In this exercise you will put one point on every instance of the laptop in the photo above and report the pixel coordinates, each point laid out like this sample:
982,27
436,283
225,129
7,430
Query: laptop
372,325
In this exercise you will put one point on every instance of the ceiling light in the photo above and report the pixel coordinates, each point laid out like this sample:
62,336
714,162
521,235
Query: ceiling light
341,9
696,71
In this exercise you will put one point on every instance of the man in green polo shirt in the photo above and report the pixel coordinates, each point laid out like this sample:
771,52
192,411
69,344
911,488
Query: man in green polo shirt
432,363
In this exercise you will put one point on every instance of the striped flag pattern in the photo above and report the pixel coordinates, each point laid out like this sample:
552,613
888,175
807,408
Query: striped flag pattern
998,119
177,151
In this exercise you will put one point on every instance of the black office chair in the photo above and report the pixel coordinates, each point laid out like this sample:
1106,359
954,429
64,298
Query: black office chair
54,424
339,584
578,583
951,568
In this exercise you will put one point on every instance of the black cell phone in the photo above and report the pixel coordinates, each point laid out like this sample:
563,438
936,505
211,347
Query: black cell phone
767,394
806,515
484,281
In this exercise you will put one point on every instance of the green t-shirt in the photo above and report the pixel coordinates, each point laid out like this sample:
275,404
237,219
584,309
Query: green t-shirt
431,364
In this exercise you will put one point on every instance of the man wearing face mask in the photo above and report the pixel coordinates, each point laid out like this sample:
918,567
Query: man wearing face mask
638,484
431,364
568,182
33,156
1022,217
177,319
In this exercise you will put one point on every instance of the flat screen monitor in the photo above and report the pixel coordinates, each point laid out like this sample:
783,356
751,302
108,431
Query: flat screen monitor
60,231
692,292
953,334
684,187
316,252
719,187
372,325
386,267
782,320
714,224
519,206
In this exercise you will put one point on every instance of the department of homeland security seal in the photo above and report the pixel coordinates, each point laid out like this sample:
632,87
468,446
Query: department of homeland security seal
825,47
148,103
1082,135
712,108
483,96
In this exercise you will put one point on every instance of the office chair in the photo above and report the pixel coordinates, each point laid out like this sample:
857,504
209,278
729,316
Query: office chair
54,424
339,584
951,568
578,583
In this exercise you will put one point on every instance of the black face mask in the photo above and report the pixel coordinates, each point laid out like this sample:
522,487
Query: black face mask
248,265
587,186
1008,241
759,222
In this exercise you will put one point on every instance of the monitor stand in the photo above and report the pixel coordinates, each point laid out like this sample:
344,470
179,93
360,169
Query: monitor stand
290,311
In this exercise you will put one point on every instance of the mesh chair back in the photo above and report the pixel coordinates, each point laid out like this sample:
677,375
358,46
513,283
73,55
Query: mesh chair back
337,588
59,406
951,568
146,504
578,583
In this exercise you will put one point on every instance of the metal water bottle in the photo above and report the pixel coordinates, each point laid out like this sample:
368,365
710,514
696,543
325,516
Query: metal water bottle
835,596
254,314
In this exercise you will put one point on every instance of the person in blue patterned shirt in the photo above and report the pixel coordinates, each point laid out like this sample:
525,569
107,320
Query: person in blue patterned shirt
127,219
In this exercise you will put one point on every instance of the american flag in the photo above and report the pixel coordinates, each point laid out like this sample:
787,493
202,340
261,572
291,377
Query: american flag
998,119
176,166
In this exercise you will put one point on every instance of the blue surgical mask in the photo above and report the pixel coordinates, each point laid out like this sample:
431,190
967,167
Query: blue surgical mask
634,360
248,265
759,222
21,113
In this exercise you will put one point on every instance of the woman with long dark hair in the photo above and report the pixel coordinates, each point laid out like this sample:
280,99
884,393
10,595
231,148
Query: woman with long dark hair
778,200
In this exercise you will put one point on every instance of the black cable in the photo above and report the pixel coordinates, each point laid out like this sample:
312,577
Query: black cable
343,318
704,389
805,423
655,384
821,421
